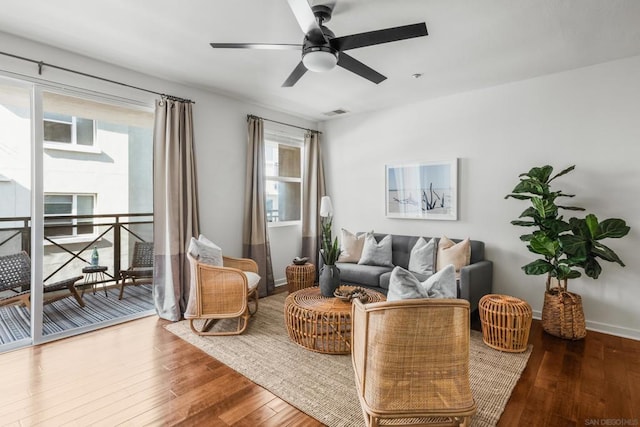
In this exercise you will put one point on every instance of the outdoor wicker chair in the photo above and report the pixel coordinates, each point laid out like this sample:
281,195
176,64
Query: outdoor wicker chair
15,283
225,292
141,269
411,361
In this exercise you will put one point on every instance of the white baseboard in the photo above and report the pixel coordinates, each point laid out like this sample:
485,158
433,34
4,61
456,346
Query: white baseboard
605,328
281,282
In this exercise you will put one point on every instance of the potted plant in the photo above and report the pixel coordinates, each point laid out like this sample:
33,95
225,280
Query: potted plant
329,279
563,247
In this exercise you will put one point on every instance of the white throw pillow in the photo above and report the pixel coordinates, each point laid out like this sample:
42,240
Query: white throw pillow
252,279
376,253
205,251
422,256
458,254
404,285
351,246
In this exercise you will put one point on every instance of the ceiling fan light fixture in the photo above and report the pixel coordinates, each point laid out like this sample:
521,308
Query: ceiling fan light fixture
320,59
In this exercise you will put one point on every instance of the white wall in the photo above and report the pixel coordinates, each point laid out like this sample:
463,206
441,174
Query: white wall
220,135
589,117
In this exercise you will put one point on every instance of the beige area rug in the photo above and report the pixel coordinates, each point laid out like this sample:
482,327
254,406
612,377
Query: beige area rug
323,386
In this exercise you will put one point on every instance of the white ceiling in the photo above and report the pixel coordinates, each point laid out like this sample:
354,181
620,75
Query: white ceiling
472,44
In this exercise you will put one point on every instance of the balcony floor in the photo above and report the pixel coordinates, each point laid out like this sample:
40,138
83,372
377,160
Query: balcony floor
66,314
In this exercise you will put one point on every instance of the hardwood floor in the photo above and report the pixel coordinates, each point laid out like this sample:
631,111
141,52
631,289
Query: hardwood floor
139,374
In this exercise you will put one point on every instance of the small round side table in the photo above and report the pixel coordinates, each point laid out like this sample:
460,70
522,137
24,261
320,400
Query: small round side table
506,322
94,274
300,276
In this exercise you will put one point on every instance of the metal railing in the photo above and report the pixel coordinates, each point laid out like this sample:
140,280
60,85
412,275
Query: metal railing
16,233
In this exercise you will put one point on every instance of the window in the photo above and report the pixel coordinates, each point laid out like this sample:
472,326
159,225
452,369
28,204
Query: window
65,129
72,205
283,167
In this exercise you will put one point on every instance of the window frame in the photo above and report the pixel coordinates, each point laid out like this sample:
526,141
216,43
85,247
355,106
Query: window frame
73,144
75,237
291,140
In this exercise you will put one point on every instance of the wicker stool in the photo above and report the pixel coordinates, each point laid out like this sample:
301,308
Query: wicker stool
506,322
300,276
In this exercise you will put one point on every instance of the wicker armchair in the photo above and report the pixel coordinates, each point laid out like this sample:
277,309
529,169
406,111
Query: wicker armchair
222,293
411,362
141,269
15,280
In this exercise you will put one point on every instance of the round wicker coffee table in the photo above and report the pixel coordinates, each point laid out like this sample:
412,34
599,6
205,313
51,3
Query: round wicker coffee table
320,323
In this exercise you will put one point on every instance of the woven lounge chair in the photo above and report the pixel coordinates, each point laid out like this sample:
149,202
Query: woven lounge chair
141,269
411,362
15,280
225,292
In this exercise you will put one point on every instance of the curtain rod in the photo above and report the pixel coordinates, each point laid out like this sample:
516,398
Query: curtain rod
281,123
43,64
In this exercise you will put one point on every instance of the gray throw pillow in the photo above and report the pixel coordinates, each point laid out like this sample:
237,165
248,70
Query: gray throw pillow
422,256
404,285
376,253
205,251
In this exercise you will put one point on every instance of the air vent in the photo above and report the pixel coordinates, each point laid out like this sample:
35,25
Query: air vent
336,112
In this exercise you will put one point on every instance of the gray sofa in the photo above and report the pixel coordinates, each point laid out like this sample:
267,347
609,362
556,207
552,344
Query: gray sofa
475,279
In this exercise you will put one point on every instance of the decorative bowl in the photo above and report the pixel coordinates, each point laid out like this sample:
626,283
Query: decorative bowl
348,293
300,261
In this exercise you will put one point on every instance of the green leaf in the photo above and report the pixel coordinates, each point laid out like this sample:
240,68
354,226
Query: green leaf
545,208
570,208
541,174
564,272
605,253
612,227
537,267
526,237
564,172
523,223
529,212
592,224
574,245
518,196
543,245
592,268
529,186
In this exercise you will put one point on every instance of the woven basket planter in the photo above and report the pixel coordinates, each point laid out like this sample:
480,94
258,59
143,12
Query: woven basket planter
562,314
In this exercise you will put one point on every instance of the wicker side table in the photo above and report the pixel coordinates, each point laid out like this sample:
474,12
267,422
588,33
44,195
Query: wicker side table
300,276
506,322
321,324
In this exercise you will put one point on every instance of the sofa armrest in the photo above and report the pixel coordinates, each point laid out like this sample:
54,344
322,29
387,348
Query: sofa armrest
476,280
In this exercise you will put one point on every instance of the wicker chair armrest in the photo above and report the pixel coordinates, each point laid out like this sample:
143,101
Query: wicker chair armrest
62,284
244,264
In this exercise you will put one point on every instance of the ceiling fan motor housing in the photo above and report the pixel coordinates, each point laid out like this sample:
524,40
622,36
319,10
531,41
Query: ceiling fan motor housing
319,55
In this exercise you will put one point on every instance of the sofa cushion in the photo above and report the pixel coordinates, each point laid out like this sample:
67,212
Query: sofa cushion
351,246
458,254
404,285
422,256
367,275
376,253
385,278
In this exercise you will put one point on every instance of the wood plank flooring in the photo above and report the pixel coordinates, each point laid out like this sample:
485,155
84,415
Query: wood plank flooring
138,374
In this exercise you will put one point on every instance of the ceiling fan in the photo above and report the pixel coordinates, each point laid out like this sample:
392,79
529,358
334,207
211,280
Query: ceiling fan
322,50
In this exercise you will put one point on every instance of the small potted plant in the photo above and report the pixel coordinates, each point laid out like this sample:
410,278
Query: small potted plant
563,247
329,279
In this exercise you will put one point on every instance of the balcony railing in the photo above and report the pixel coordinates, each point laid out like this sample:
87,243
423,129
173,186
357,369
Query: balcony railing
67,252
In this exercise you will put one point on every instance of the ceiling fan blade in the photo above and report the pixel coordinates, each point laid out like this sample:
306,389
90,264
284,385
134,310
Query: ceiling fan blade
281,46
379,36
350,63
295,75
306,19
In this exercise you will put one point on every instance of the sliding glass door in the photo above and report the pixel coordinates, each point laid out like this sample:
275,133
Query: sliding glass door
77,194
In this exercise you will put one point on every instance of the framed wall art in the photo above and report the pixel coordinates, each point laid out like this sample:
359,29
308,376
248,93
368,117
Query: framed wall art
422,191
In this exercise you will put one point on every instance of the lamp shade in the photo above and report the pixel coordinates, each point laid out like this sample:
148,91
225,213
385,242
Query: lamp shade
326,207
319,60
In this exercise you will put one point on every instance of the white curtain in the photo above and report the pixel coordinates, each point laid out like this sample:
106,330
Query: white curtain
255,236
175,205
314,189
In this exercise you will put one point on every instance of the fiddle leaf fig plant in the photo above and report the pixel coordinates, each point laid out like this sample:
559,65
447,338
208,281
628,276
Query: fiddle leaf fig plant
564,246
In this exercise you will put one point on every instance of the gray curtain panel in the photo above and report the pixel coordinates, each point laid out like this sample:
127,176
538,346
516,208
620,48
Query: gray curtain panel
255,235
314,189
175,206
